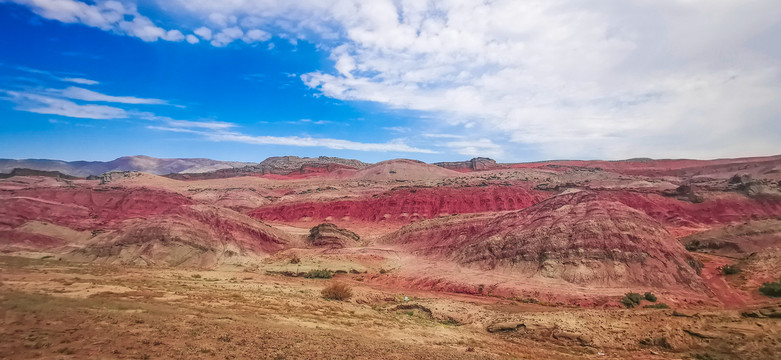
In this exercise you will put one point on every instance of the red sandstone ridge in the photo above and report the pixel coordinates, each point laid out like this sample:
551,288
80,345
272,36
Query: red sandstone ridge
573,236
83,207
406,205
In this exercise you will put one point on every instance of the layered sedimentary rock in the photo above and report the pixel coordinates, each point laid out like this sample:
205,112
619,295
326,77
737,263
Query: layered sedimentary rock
475,164
577,237
406,205
332,236
197,235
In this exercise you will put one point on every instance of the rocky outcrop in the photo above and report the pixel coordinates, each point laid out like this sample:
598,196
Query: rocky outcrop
737,241
332,236
279,165
284,165
115,175
685,192
475,164
33,172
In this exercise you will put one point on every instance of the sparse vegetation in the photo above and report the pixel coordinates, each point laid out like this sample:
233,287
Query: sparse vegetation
729,270
450,322
631,300
195,276
657,306
319,274
295,260
650,297
337,291
772,289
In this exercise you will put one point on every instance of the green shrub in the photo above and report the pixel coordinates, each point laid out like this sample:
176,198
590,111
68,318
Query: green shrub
319,274
631,300
729,270
772,289
650,297
657,306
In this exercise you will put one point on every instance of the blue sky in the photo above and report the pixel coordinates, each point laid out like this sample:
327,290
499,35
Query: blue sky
374,80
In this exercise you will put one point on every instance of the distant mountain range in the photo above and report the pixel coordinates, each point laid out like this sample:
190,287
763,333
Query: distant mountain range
199,168
126,163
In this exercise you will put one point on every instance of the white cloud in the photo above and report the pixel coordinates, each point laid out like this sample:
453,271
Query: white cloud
476,147
89,95
227,36
444,136
211,125
42,104
204,32
256,35
559,78
338,144
173,35
192,39
110,15
80,81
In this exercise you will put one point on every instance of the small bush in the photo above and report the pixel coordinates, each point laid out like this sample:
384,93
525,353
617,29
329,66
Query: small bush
650,297
772,289
729,270
631,300
195,276
337,291
319,274
657,306
295,260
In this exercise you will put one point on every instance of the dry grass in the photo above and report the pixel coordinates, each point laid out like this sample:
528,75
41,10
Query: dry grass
337,291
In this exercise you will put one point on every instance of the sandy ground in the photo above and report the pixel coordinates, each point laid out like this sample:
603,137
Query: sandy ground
51,309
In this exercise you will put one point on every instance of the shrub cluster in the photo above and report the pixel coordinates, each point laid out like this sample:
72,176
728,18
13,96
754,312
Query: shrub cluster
337,291
650,297
657,306
319,274
631,300
772,289
729,270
